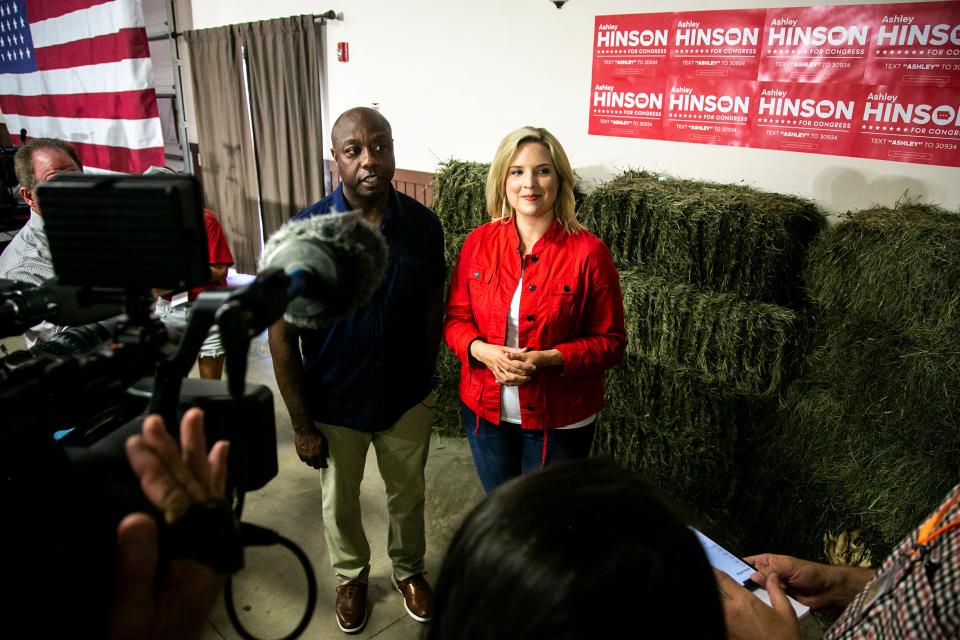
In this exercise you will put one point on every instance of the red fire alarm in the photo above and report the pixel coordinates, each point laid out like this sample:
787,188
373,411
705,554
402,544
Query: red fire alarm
343,51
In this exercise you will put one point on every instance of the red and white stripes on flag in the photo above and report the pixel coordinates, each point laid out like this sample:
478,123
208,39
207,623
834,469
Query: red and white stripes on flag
80,70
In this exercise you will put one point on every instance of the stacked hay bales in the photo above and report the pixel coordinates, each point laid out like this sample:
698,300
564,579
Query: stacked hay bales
722,237
870,436
459,201
711,297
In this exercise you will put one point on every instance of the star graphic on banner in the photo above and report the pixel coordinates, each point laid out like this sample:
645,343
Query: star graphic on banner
16,9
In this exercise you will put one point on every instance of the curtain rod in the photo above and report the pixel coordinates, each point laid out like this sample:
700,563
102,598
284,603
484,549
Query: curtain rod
327,15
320,18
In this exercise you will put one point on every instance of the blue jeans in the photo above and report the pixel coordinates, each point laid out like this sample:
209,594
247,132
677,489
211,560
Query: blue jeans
505,451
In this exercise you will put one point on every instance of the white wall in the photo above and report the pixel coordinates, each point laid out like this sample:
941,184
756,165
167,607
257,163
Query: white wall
454,76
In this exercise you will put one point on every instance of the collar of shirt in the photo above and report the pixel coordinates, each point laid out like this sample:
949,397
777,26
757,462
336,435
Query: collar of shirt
550,237
394,206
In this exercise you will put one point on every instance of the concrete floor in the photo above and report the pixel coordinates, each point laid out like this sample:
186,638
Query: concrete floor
270,593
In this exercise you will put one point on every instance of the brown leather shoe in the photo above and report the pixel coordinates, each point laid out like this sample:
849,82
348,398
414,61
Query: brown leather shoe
417,597
351,606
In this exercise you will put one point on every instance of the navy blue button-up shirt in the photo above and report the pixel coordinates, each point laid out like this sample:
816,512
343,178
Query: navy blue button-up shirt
367,369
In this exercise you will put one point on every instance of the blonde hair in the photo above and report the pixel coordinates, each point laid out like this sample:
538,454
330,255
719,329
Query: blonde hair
564,209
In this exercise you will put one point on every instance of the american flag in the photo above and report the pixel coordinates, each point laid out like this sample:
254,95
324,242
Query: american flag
80,70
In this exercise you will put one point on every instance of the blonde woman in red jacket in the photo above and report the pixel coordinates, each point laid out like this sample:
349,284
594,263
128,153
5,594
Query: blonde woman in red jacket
534,314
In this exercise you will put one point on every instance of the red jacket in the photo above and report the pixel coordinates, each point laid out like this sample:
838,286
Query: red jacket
571,301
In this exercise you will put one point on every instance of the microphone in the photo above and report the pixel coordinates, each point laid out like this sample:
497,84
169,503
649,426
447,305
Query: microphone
335,263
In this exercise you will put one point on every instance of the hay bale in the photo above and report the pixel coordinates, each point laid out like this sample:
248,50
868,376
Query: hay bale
909,379
674,429
729,238
452,243
458,195
899,267
839,467
742,346
446,419
869,439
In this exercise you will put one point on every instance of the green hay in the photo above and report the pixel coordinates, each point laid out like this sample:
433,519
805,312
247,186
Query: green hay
458,195
729,238
869,439
446,419
452,243
674,429
899,267
838,468
911,380
742,346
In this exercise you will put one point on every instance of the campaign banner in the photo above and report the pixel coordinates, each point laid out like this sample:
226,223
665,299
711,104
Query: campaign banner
816,44
876,81
915,45
708,111
812,118
632,45
716,44
627,106
909,124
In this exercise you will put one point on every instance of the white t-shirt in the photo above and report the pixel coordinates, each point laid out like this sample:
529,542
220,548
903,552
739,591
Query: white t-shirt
510,394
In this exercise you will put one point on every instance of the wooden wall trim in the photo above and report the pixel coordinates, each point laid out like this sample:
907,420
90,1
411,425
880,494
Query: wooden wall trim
416,184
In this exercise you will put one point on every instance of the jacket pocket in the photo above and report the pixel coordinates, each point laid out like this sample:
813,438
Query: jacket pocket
563,295
563,307
478,284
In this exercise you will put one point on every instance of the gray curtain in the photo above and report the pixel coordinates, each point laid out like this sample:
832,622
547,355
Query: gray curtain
223,132
283,61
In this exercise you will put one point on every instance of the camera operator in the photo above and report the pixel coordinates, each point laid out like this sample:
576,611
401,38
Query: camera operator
27,257
171,601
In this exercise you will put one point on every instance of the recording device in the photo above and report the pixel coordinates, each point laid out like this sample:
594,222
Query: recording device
24,305
112,239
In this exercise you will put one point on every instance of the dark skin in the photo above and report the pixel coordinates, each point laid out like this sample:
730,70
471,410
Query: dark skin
363,151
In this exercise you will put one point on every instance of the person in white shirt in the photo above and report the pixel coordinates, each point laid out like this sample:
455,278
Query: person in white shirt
27,258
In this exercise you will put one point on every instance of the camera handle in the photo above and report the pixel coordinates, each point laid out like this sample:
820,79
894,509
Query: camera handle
240,314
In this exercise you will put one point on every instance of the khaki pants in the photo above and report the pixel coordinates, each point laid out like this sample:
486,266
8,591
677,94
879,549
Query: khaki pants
401,456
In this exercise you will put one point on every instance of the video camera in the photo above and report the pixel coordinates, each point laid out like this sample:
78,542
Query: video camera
113,239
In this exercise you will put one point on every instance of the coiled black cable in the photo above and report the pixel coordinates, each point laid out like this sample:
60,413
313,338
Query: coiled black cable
256,536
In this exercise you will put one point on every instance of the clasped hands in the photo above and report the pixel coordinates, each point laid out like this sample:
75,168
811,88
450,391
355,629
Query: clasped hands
511,366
